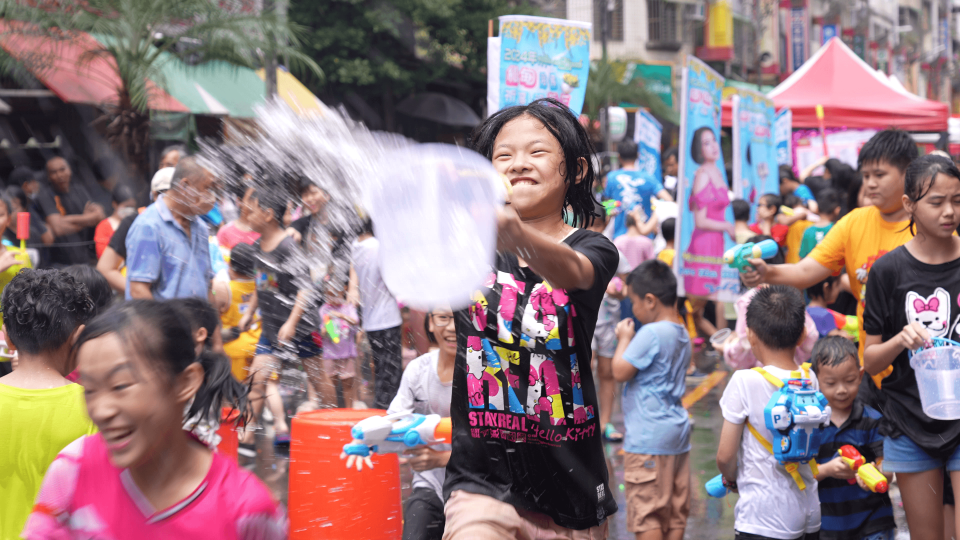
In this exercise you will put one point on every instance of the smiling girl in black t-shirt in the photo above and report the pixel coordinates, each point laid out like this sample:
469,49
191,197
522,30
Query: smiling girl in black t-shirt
526,437
912,296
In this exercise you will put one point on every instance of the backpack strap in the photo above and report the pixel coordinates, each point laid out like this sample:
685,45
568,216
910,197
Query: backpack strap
770,378
792,468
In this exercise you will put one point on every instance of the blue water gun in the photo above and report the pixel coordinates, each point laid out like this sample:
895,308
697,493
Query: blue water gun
739,256
394,433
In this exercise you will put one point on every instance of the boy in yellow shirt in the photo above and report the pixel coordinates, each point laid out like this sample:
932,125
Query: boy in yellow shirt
41,412
862,236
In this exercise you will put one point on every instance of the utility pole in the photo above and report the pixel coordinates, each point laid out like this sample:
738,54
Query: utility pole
278,8
606,7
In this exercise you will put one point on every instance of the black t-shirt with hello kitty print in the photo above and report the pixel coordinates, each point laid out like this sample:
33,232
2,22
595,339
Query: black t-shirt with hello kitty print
902,290
524,408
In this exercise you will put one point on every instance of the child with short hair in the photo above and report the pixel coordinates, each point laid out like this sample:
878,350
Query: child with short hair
767,211
40,410
849,512
828,201
340,354
636,244
741,220
822,295
653,363
241,325
668,229
771,504
797,224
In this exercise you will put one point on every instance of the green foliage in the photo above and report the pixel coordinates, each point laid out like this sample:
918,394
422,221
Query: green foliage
604,87
374,46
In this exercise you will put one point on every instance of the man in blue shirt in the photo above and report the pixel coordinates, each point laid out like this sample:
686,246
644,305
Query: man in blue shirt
168,253
631,187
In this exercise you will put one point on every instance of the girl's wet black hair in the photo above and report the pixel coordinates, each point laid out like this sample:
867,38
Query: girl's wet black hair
920,175
200,314
816,290
160,335
574,142
696,144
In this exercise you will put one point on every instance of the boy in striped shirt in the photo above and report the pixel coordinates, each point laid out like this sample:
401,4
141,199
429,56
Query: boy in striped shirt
848,511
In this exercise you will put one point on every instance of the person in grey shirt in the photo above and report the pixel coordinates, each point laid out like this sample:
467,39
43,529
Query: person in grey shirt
425,389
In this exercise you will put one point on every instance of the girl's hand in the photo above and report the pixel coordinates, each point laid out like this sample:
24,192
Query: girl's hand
287,332
625,330
293,233
913,336
8,258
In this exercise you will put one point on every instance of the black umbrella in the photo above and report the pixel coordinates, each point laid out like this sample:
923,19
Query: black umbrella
439,108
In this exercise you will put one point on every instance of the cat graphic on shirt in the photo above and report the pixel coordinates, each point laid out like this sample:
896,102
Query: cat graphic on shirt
931,312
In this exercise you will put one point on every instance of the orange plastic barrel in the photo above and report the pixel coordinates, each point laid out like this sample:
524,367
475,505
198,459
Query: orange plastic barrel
229,442
327,500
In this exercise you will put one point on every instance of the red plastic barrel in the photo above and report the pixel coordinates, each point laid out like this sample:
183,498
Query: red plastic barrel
229,442
327,500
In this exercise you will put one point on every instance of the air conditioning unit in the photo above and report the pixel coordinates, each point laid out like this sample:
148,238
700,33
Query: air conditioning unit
695,11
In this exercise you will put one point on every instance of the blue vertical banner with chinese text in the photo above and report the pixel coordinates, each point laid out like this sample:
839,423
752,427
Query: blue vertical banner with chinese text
705,228
540,57
755,168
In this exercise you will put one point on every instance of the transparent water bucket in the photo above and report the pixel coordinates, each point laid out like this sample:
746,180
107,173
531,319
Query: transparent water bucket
434,210
938,379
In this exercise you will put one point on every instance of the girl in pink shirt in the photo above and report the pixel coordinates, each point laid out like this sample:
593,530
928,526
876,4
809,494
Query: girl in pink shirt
142,476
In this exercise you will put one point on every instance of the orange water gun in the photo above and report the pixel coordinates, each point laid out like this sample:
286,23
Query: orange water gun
874,479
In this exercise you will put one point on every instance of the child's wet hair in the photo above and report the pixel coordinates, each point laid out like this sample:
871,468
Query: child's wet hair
921,174
200,314
776,315
159,334
42,308
828,200
833,351
272,199
893,146
243,259
656,278
668,229
741,210
628,150
772,200
97,286
574,141
817,289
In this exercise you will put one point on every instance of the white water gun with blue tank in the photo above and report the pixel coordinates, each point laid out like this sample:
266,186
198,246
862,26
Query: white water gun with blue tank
394,433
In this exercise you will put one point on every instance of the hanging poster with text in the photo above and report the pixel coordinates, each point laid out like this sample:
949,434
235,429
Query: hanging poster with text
705,229
647,134
754,154
782,128
539,58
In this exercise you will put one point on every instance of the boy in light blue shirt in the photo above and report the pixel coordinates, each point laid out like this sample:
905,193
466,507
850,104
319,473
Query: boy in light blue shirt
632,187
653,362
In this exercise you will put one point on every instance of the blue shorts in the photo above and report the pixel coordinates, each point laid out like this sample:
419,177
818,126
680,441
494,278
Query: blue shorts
306,347
902,455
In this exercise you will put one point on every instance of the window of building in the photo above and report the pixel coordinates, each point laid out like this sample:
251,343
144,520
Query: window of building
663,20
615,32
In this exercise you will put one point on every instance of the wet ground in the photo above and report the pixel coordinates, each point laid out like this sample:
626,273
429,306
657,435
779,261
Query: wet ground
710,519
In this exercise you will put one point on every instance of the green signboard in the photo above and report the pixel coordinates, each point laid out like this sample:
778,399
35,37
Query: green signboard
656,78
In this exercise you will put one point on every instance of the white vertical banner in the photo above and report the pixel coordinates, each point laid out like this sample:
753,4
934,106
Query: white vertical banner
493,75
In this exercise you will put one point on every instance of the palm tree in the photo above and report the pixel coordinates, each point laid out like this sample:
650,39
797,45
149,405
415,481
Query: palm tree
139,36
604,87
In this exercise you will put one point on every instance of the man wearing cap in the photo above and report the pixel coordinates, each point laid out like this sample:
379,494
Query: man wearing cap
113,258
70,214
168,249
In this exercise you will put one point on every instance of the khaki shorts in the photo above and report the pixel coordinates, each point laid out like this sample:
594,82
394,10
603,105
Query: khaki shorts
658,491
478,517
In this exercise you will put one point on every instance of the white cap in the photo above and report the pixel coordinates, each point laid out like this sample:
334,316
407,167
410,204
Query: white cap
162,180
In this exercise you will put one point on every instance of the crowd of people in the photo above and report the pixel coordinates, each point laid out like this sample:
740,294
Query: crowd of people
110,406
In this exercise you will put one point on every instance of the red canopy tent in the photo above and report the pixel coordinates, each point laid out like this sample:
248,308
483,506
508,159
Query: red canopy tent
853,95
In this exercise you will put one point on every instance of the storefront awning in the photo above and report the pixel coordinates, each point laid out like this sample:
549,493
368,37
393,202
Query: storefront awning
62,67
294,93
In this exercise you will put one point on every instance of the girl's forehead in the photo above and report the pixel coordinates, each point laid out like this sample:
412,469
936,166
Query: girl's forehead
524,126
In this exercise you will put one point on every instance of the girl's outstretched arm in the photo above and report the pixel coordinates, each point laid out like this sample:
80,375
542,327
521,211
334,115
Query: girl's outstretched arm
559,264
